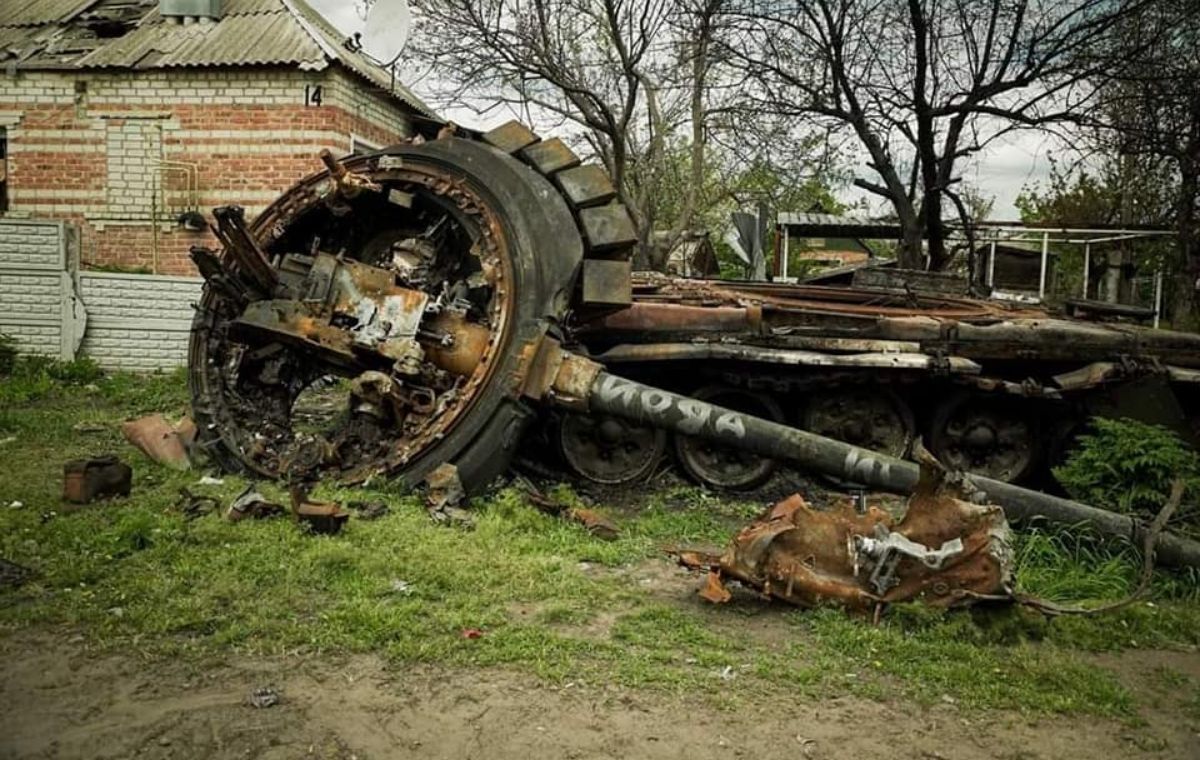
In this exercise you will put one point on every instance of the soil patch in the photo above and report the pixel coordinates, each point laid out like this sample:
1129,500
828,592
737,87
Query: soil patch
59,700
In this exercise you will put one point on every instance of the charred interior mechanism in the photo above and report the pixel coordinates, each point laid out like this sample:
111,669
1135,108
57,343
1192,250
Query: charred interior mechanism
382,299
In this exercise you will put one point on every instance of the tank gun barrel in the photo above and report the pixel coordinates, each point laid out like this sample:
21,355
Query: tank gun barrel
620,397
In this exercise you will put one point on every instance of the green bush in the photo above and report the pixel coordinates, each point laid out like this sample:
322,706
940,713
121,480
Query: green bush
8,354
1128,467
34,377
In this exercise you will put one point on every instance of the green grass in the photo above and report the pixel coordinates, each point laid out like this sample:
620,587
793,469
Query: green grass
550,599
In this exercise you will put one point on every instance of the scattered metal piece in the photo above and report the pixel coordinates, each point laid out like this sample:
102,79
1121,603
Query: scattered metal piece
609,394
444,494
193,505
103,477
325,517
252,504
263,697
159,440
946,551
595,523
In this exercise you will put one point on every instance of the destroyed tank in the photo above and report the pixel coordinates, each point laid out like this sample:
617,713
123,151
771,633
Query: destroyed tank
991,388
422,305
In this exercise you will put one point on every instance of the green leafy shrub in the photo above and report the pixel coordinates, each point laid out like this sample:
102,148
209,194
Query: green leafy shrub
1128,467
8,354
34,377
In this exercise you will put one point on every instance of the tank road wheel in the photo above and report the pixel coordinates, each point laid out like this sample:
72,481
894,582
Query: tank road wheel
873,418
408,282
993,437
724,467
610,450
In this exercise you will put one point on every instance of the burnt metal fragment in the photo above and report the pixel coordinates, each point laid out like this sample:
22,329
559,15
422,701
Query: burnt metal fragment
103,477
946,551
243,251
253,505
324,517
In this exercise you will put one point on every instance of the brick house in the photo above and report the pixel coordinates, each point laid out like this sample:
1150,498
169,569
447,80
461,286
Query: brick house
128,120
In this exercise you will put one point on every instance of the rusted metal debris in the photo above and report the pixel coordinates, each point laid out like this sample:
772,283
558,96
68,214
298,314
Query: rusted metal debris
591,520
445,495
999,390
251,504
194,506
103,477
164,443
325,517
946,551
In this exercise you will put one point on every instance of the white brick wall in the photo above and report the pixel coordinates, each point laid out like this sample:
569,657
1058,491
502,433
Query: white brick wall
133,176
31,283
138,322
34,245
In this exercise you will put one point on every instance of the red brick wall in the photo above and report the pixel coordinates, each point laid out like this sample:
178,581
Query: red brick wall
86,152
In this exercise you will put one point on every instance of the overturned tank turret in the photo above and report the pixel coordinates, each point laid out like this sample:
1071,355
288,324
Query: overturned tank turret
381,316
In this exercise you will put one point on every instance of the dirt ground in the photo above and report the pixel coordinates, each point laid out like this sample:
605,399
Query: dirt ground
58,700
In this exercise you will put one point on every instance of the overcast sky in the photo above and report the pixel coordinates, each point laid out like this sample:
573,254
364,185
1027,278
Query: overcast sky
1001,172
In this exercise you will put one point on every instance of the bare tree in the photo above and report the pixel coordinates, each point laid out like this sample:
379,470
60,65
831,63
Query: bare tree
630,78
925,84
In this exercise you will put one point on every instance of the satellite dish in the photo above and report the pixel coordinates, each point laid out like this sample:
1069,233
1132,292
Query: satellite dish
386,30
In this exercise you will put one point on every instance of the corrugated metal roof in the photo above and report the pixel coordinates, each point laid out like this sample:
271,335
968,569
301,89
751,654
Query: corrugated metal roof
832,225
243,40
818,219
240,7
249,33
37,12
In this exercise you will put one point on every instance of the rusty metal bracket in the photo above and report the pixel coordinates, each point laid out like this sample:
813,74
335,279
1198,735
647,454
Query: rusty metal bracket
349,184
243,250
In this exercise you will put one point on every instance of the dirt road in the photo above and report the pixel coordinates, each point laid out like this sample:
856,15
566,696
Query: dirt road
59,701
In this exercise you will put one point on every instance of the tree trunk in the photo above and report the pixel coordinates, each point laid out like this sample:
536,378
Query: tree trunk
1184,305
911,255
935,233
